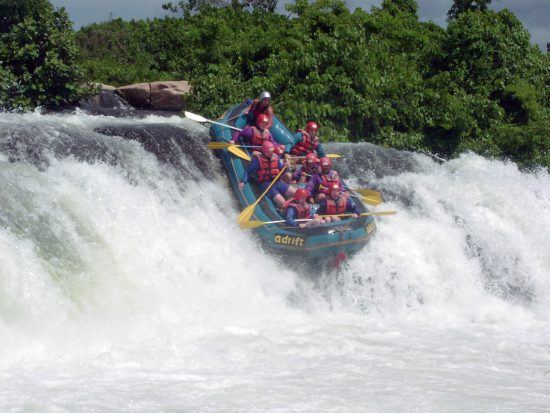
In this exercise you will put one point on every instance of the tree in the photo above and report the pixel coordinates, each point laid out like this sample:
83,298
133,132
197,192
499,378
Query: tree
461,6
192,6
13,12
37,56
400,6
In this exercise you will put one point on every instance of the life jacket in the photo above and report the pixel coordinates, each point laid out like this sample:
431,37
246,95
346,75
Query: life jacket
310,170
268,168
256,111
336,207
302,211
258,136
327,181
305,146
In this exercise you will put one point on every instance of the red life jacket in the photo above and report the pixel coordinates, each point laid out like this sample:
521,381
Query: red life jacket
305,146
303,211
256,111
338,206
268,169
258,136
328,180
313,170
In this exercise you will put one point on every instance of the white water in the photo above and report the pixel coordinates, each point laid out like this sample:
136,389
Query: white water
122,292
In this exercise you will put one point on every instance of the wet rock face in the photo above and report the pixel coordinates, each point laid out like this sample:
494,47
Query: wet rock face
106,99
138,95
171,145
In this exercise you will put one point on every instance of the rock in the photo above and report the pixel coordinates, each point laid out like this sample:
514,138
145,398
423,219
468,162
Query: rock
103,87
106,99
169,95
138,95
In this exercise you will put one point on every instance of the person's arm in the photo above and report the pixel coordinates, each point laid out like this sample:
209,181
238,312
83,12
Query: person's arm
322,210
295,139
320,151
312,185
246,133
352,207
290,215
252,167
270,114
297,174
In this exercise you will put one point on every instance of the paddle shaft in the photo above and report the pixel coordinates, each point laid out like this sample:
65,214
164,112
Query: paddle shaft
364,214
223,124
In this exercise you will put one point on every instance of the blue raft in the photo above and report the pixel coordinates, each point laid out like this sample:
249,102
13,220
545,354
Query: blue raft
325,241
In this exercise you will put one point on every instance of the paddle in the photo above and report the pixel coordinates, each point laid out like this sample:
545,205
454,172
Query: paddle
374,201
299,158
257,224
367,192
369,199
225,145
234,149
200,119
246,213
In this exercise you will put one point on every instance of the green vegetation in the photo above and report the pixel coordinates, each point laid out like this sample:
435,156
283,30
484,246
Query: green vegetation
37,56
380,76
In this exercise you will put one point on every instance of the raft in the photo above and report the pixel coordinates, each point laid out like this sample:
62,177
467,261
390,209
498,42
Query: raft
325,241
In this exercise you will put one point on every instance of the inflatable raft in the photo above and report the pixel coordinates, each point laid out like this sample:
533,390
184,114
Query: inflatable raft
325,241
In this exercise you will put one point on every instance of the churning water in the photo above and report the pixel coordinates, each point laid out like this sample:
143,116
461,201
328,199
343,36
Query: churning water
126,285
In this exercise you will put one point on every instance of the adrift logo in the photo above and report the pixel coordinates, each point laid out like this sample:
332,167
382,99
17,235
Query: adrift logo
371,227
288,240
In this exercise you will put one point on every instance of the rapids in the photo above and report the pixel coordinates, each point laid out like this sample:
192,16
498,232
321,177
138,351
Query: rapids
126,285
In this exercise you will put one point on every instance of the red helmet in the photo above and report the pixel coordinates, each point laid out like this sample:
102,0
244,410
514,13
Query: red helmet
335,189
325,161
262,117
311,127
268,148
301,194
311,159
280,150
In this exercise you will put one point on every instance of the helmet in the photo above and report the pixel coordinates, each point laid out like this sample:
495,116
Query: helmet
268,148
262,117
265,95
325,161
311,159
300,194
312,126
334,189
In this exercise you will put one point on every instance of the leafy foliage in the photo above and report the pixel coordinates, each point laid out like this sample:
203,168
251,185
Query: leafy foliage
37,55
461,6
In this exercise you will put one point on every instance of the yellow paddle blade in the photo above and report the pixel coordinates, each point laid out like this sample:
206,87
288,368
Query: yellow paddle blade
238,152
252,224
218,145
368,192
333,155
246,214
371,200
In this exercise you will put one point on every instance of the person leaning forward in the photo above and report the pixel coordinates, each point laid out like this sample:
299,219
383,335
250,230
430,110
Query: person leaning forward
263,168
336,203
254,134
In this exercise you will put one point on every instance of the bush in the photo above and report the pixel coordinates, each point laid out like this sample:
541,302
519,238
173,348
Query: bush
37,56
